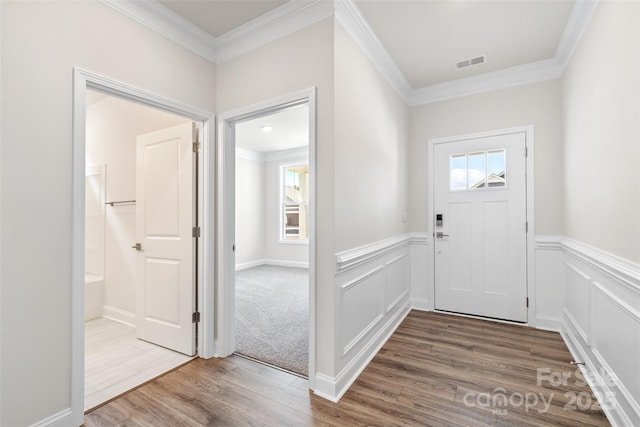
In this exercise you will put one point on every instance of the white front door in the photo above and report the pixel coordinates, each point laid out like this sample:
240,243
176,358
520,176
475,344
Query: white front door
480,227
165,294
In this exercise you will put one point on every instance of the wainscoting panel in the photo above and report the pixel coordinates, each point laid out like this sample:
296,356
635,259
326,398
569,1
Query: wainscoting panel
548,292
362,307
373,297
421,286
397,279
601,327
577,304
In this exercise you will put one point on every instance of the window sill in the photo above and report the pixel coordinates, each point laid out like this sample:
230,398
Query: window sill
294,242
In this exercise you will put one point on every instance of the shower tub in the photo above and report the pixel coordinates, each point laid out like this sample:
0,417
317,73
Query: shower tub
93,296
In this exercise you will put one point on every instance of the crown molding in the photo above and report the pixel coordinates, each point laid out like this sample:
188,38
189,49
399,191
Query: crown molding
286,19
578,20
515,76
164,21
509,77
290,154
354,22
298,14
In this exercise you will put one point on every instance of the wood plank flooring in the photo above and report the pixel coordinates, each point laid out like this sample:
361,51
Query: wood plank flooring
435,370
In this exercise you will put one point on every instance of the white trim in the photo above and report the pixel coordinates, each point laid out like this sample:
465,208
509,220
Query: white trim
276,262
164,21
576,25
419,238
284,20
290,154
243,153
61,419
354,22
509,77
625,271
82,80
548,242
354,257
225,222
616,415
530,179
333,389
296,15
421,304
118,315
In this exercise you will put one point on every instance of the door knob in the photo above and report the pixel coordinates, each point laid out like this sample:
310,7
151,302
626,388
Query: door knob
137,246
440,234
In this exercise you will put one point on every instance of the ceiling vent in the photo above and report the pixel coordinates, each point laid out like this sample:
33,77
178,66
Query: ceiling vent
471,62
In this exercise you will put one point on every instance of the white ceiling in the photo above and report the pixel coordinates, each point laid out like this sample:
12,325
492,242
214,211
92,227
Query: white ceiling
290,129
216,17
425,38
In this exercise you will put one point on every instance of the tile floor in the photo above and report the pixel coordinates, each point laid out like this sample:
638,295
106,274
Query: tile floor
115,361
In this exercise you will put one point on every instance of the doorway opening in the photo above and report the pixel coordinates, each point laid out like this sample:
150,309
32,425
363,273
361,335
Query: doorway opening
272,238
142,280
267,247
127,286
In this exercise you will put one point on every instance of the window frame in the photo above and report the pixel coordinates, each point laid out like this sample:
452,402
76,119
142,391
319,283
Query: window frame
281,203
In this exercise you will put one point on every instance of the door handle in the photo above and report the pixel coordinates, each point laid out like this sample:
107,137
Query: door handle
137,246
440,234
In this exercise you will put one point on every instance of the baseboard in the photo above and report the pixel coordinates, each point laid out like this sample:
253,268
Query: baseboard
334,388
600,387
250,264
421,304
118,315
276,262
61,419
549,323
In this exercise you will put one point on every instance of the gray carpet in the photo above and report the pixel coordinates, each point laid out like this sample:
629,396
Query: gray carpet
272,316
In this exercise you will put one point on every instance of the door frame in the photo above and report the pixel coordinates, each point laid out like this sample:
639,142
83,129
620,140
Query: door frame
83,80
530,234
225,286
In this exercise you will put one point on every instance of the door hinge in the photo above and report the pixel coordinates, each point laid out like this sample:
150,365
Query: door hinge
527,302
195,317
196,232
233,248
196,137
526,151
526,226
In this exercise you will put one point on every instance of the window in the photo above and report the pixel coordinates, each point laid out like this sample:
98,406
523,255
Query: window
478,170
295,202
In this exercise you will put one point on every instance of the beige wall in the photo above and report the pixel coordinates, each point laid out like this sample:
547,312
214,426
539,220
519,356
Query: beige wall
601,108
249,210
298,61
537,104
41,43
371,147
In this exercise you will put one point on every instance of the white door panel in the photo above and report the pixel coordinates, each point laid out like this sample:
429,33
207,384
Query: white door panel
480,248
164,221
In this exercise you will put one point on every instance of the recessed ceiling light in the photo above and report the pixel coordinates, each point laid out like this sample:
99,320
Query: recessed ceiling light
266,128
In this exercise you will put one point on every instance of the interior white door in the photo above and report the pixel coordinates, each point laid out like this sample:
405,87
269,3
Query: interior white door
480,227
165,216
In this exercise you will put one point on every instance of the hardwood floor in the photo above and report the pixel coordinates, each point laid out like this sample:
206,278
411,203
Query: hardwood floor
435,370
